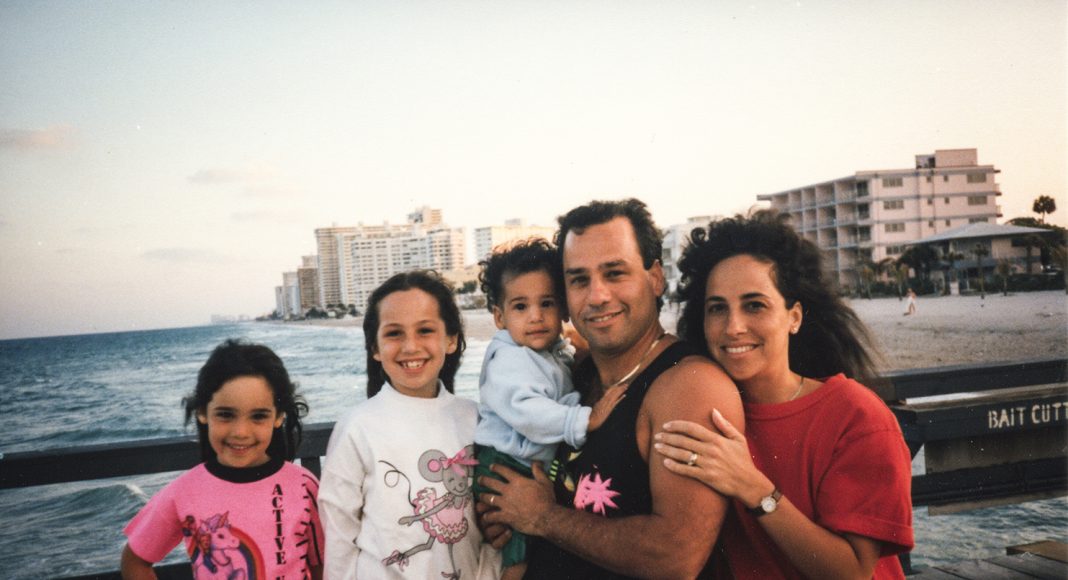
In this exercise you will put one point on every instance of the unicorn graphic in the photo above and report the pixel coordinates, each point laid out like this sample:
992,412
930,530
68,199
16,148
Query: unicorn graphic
217,553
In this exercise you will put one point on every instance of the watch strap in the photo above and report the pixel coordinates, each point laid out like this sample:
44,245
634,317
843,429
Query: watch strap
759,510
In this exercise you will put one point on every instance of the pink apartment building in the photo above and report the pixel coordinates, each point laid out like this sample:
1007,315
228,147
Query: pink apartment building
872,214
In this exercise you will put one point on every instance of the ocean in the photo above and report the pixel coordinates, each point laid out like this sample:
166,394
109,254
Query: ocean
102,388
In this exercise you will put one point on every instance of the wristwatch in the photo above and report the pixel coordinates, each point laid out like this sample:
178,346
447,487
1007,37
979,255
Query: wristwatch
767,503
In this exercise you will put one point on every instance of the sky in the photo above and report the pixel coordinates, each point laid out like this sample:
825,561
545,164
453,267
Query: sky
161,162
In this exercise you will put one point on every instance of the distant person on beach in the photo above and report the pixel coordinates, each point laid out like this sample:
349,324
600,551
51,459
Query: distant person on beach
611,509
820,480
396,495
246,511
910,302
527,401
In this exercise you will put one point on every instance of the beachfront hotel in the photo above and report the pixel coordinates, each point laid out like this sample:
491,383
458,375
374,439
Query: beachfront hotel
354,260
489,237
872,214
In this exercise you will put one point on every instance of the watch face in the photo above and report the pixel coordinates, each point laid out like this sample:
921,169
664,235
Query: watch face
769,504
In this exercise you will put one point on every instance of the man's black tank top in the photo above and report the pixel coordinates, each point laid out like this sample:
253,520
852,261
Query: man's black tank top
607,476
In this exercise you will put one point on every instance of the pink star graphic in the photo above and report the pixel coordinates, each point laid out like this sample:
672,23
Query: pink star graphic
593,491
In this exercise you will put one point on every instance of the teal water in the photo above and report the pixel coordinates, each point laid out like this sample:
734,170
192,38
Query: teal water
78,390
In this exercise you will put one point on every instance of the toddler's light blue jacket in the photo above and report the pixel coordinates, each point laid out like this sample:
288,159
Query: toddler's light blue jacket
527,401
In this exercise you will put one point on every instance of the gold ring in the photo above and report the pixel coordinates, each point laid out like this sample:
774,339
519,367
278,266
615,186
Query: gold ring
693,459
492,497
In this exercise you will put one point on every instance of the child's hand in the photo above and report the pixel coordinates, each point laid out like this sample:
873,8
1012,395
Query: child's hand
582,348
603,408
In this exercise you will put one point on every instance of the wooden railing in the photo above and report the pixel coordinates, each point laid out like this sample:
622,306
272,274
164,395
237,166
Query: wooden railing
1032,386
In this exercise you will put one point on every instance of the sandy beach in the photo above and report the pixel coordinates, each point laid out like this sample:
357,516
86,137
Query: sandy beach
945,330
967,329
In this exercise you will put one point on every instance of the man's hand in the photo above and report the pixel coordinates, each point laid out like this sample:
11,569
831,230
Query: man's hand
521,503
496,534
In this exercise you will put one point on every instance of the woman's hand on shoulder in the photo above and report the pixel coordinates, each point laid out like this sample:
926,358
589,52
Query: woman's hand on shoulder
719,460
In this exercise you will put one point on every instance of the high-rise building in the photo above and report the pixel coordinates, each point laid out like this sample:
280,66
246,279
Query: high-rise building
353,261
328,243
289,298
870,215
308,279
489,237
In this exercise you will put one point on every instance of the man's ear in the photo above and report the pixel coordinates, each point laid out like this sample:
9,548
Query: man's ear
659,281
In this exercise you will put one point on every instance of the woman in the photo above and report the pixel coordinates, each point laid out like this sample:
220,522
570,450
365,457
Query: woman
820,481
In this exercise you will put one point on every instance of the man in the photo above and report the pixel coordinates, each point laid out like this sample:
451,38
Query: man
617,511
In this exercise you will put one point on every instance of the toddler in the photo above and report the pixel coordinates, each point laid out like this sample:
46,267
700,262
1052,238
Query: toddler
528,403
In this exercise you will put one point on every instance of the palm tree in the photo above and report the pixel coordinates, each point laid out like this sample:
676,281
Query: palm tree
953,258
884,267
901,274
1043,205
867,274
980,251
1004,268
1033,241
920,258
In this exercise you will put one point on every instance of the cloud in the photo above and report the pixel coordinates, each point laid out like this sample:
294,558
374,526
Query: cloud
54,137
186,256
253,175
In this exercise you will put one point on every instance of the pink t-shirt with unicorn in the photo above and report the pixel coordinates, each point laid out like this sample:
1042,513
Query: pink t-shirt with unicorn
262,521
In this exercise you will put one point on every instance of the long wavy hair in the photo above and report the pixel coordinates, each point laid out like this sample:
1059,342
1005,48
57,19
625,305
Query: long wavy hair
236,358
831,340
430,282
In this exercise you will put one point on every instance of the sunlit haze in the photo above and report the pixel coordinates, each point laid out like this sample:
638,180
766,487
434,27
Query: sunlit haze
161,162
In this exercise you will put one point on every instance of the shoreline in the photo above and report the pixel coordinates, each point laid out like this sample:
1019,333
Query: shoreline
946,330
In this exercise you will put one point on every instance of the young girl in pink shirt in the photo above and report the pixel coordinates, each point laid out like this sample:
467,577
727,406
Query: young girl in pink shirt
246,511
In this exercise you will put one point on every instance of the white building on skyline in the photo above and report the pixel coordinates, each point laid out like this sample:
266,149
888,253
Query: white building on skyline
328,242
872,215
489,237
287,296
308,280
354,260
676,237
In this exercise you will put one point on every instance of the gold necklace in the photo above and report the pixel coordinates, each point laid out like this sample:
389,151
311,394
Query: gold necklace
799,387
641,361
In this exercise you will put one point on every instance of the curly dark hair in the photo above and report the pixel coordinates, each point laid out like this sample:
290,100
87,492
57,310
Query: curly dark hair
831,340
432,283
650,239
514,259
236,358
